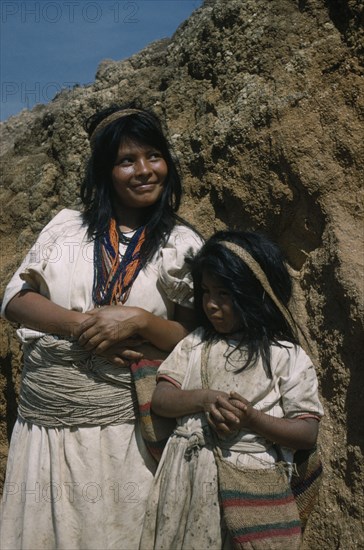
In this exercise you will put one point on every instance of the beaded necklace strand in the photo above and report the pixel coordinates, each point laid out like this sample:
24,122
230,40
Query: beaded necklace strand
114,277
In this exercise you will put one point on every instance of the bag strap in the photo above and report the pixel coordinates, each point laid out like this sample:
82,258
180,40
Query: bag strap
204,360
205,385
256,269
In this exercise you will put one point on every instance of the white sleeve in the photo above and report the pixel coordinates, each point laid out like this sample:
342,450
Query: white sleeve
174,368
299,386
44,250
174,273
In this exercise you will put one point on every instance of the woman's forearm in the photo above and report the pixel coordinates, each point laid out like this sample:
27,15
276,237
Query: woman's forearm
110,325
37,312
162,333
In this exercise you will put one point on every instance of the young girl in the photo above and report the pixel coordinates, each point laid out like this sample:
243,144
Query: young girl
262,388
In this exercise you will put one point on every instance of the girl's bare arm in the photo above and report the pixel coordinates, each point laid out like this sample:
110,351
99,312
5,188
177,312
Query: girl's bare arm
172,402
295,433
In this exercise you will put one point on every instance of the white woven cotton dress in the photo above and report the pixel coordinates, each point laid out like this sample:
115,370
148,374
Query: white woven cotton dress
183,509
82,486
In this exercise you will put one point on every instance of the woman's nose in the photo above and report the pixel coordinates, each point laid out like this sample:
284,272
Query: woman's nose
142,168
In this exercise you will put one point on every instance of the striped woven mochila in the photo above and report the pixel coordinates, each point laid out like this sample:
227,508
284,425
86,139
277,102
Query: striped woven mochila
258,507
155,429
306,481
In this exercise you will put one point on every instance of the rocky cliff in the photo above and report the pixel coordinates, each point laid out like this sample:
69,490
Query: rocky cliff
264,106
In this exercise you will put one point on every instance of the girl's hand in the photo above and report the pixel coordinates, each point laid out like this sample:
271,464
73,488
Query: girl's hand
243,408
223,416
210,399
109,325
120,356
230,415
296,433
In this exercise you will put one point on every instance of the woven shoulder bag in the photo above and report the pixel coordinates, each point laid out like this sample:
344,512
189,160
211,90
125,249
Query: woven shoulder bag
155,429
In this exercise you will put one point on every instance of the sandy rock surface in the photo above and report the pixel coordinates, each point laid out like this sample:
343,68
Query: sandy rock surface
264,107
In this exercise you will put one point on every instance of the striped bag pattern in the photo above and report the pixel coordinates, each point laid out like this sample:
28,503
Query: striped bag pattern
155,429
258,507
306,481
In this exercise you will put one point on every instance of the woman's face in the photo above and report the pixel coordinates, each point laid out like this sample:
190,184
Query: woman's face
218,305
138,175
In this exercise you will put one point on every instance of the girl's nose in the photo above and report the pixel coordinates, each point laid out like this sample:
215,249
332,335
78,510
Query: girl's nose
211,304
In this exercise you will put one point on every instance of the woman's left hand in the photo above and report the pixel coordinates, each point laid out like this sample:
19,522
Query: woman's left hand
110,325
120,356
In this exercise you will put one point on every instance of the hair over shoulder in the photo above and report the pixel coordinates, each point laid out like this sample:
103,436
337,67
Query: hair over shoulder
262,322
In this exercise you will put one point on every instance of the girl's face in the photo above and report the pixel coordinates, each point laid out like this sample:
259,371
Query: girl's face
218,305
138,175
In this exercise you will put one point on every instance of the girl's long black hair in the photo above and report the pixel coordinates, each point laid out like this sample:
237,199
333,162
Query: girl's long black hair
262,323
97,191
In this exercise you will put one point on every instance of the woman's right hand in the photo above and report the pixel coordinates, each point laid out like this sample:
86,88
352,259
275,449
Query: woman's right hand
37,312
108,326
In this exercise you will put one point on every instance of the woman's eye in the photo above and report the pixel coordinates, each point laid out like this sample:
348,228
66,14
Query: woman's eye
125,161
155,155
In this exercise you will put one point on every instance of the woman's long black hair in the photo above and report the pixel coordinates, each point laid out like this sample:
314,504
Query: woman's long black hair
262,323
97,191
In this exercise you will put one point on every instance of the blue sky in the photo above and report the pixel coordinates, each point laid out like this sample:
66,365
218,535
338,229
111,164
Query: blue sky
48,45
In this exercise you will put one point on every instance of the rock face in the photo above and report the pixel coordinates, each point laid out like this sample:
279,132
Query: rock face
264,106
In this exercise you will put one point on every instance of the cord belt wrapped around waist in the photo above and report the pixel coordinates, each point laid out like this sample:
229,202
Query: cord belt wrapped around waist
64,385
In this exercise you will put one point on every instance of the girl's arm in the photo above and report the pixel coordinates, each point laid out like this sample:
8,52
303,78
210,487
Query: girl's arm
37,312
172,402
295,433
109,325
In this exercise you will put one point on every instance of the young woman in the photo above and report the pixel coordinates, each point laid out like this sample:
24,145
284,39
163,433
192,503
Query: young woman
98,290
239,383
